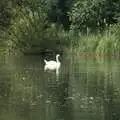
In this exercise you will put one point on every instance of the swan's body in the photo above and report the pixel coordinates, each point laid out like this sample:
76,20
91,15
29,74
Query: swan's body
52,65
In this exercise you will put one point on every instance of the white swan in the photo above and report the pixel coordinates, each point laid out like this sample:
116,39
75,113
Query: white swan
52,65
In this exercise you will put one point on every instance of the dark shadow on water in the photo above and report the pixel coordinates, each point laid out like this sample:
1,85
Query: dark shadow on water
57,91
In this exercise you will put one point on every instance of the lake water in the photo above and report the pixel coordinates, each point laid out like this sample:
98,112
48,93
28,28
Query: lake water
83,90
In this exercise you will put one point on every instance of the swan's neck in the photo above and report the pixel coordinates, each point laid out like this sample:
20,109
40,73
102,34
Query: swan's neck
45,61
57,60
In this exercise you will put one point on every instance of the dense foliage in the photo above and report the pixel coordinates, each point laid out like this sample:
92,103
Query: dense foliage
94,14
54,24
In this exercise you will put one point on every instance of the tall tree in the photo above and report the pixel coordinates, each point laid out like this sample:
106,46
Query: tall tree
57,11
5,13
94,14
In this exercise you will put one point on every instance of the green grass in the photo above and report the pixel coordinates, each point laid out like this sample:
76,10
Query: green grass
104,44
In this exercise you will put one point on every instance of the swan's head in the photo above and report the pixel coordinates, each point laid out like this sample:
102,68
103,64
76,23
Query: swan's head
57,55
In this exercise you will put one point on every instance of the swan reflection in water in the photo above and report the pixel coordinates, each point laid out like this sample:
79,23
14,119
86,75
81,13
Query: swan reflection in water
53,65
